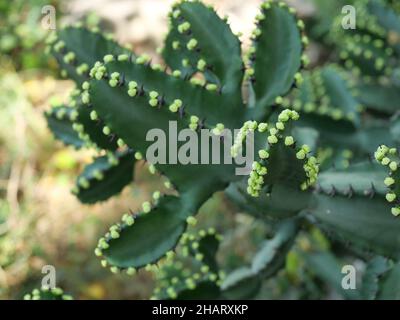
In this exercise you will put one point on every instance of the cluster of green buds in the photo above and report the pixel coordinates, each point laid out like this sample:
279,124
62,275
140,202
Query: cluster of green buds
154,96
143,59
46,293
256,179
248,126
135,89
328,92
181,41
114,232
218,130
69,57
105,167
389,157
277,134
190,266
114,79
176,105
311,169
99,70
62,114
132,88
58,46
194,123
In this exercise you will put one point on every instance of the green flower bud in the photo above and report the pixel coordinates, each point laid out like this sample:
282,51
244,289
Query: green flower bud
113,83
98,175
249,72
385,161
205,269
195,245
152,169
130,271
132,92
263,154
390,196
83,182
300,24
173,108
289,141
114,234
177,73
156,195
104,263
143,59
176,13
132,85
167,185
192,221
171,293
153,102
114,269
106,130
129,220
262,171
185,63
178,102
395,211
176,45
280,126
69,57
146,206
98,252
272,139
108,58
300,154
211,87
389,181
201,65
153,94
85,85
295,115
138,156
184,27
93,115
85,97
199,257
393,166
262,127
279,100
123,57
120,143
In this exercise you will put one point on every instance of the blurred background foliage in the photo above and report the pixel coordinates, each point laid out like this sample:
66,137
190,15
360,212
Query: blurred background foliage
20,33
42,223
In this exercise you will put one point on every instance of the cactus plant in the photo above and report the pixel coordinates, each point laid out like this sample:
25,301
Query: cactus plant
307,126
47,294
